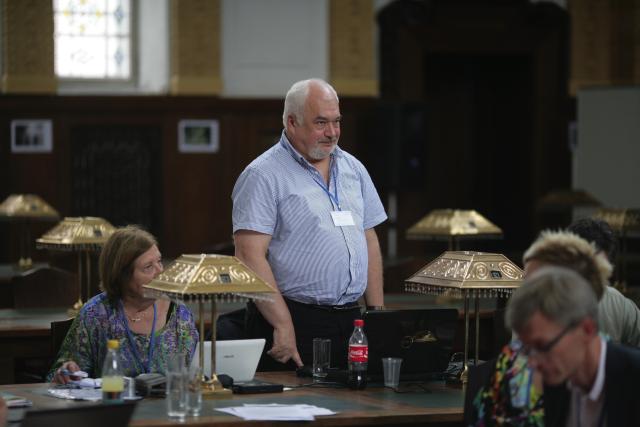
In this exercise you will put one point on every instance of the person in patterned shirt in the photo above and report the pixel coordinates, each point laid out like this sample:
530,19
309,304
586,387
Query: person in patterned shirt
149,330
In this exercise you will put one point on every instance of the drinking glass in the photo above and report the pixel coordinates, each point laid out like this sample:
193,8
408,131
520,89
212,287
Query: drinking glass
177,387
321,358
194,390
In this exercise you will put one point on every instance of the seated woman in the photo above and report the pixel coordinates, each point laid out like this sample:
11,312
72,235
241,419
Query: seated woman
149,330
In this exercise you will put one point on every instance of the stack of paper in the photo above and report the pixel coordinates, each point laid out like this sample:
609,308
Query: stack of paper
276,412
14,401
91,394
88,383
84,389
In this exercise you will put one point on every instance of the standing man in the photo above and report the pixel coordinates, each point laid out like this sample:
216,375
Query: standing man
588,381
304,214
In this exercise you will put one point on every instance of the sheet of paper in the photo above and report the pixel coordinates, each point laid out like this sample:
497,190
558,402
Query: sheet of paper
315,410
277,412
88,383
91,394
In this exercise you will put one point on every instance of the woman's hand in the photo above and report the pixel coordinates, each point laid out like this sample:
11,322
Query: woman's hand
64,373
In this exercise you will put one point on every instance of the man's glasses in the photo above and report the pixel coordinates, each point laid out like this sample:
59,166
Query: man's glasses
546,348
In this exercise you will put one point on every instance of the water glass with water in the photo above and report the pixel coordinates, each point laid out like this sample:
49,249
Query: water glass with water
194,390
321,358
177,387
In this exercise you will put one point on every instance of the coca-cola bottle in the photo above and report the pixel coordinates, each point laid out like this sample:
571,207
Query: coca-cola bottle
358,357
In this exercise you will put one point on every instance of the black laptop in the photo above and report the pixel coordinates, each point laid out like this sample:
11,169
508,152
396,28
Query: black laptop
422,338
105,415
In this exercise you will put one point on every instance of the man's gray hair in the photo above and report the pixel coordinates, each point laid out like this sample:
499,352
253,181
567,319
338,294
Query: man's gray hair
558,293
297,96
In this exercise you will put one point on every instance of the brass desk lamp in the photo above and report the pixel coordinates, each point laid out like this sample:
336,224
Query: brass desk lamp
453,225
84,235
24,208
467,275
209,278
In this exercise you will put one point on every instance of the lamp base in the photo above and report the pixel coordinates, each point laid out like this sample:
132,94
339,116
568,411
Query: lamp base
459,379
25,263
213,387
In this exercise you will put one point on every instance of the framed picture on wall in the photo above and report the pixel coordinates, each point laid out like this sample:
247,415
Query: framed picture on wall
198,136
31,136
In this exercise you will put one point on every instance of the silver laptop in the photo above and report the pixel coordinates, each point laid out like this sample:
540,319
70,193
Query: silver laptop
236,358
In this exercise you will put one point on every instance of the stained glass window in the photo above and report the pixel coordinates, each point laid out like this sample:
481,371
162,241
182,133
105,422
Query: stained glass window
92,39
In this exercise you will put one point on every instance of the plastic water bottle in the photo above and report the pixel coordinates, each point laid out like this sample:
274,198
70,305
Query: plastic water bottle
358,357
112,376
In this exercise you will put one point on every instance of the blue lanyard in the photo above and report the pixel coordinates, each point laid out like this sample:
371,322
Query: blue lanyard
332,197
132,341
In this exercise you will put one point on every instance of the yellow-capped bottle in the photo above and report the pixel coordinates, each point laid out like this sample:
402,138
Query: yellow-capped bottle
112,376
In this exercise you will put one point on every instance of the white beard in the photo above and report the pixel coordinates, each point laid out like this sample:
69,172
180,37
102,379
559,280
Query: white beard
318,153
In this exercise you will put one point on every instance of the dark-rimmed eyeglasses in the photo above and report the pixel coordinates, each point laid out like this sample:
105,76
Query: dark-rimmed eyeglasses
546,348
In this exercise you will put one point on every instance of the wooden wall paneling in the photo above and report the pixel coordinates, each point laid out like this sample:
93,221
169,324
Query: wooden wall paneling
116,173
36,173
169,245
605,43
193,197
193,190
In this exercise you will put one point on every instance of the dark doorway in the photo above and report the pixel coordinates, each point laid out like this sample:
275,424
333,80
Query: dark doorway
490,78
478,136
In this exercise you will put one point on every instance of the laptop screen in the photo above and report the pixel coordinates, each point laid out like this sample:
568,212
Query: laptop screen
108,415
236,358
422,338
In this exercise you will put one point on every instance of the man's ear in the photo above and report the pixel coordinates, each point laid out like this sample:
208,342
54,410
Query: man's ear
291,126
589,326
291,121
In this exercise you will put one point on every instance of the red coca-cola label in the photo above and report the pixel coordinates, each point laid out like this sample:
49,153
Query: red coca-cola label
358,353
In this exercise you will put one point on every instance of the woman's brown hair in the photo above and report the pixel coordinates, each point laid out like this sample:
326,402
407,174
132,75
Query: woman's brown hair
119,253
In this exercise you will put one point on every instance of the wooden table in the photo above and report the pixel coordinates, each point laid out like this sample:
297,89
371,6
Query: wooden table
439,406
25,334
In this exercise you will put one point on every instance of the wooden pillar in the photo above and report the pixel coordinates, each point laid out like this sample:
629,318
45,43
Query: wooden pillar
352,51
605,43
195,47
27,48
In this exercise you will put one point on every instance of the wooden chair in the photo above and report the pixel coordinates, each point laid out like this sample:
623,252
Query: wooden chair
58,333
45,287
479,376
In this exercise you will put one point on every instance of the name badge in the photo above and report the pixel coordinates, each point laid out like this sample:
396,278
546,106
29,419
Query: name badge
342,218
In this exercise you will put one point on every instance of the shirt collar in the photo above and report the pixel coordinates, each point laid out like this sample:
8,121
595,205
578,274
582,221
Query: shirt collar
598,385
284,141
